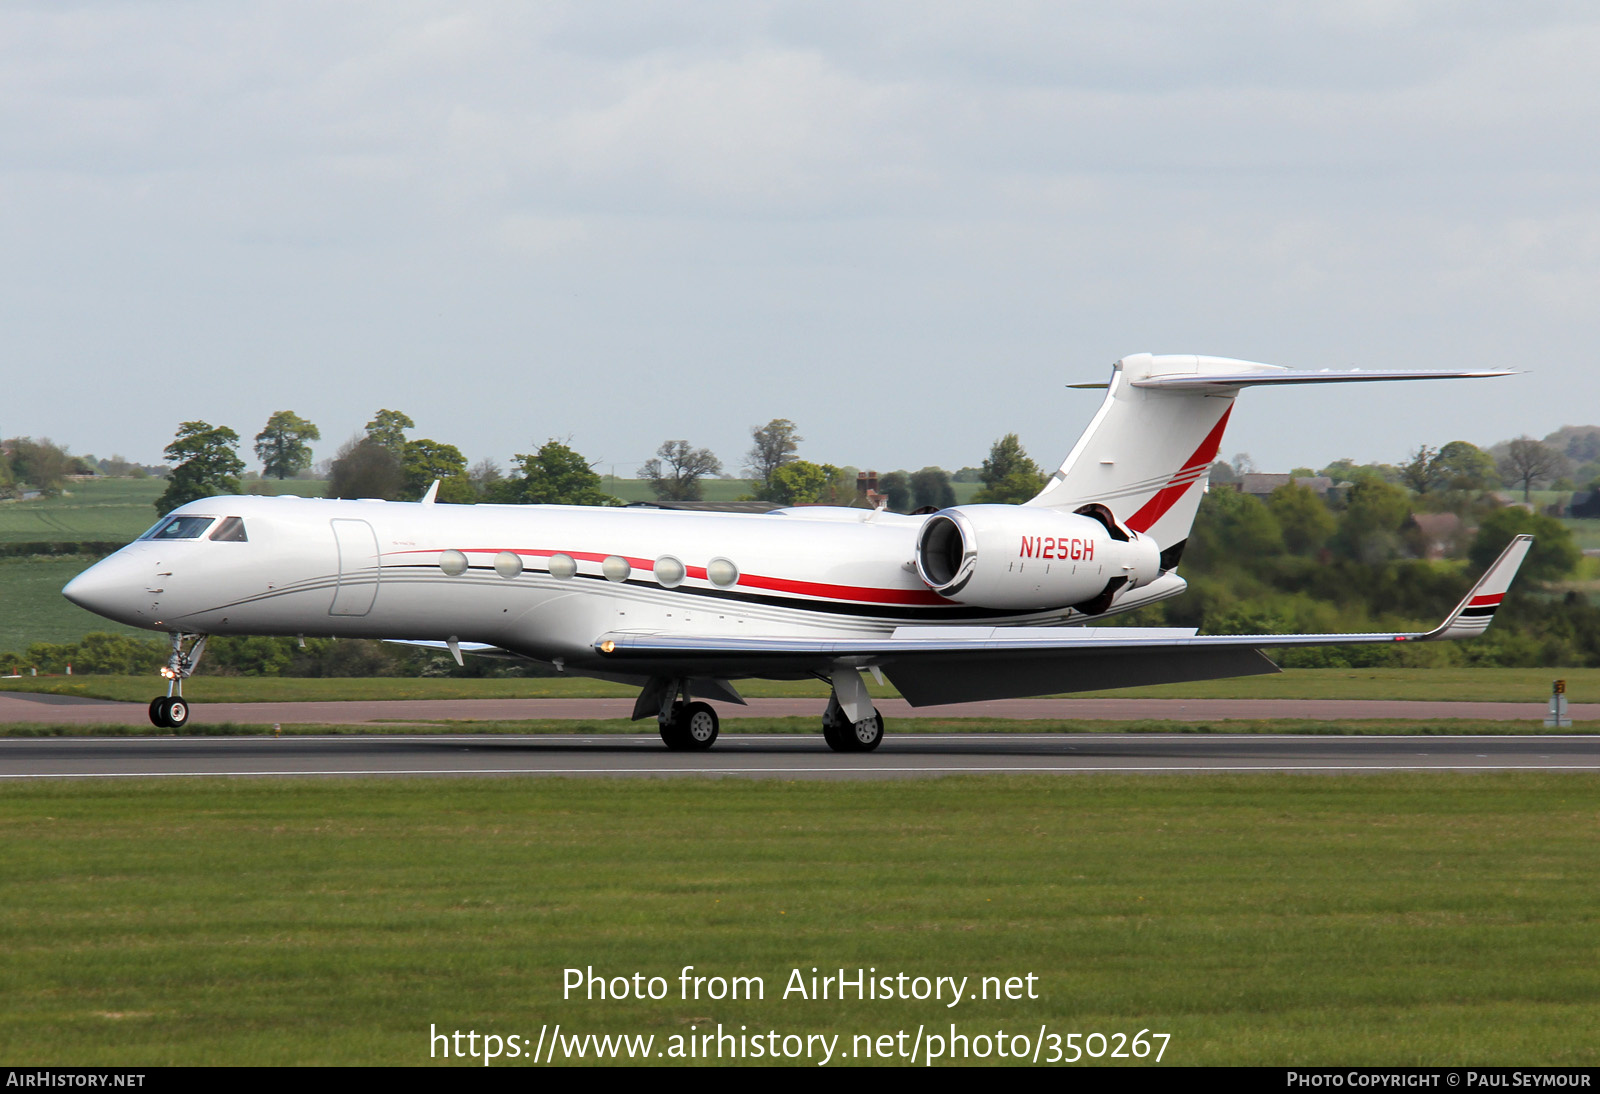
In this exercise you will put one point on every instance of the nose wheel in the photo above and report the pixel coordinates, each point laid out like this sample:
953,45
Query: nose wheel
171,711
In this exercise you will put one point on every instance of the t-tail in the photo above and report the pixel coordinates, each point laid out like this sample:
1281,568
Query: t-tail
1148,451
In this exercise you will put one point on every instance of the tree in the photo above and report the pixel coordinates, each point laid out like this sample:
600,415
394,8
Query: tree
425,460
931,487
207,461
799,482
40,464
1370,528
281,446
1554,552
554,475
775,445
1008,474
677,469
1461,467
896,488
388,429
1235,525
1528,462
485,476
1306,522
365,468
1417,473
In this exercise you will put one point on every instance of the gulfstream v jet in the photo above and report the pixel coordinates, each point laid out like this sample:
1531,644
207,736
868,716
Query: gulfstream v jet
971,602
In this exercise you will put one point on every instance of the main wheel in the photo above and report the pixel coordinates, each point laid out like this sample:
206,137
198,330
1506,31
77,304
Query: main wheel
862,736
699,726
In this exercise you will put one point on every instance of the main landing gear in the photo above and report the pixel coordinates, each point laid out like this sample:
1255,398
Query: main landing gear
689,727
843,735
171,711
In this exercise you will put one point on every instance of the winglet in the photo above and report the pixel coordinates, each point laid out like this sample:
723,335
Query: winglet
1476,611
432,495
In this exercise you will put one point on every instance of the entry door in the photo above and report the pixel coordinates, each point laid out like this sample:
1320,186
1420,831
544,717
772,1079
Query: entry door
358,568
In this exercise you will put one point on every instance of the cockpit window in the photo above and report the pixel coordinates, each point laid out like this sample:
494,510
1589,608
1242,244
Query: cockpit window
231,530
180,528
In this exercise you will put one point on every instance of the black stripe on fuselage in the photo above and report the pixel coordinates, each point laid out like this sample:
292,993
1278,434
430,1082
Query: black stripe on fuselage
933,613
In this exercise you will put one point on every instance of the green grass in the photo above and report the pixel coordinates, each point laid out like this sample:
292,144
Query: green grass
1436,919
1477,685
32,608
105,509
800,726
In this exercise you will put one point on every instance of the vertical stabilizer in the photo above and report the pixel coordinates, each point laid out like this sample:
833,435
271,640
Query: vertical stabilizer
1146,454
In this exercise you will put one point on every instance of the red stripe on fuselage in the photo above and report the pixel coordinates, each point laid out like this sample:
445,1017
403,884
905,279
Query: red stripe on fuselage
1165,498
820,590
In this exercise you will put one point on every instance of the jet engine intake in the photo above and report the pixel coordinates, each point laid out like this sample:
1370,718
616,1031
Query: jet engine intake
1014,556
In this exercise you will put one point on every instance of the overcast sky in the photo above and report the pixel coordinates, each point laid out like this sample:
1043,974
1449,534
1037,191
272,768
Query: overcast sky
904,226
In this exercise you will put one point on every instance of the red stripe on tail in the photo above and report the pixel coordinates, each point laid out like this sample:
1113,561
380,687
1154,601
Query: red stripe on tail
1165,498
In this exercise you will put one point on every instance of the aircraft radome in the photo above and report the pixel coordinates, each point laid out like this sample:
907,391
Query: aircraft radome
971,602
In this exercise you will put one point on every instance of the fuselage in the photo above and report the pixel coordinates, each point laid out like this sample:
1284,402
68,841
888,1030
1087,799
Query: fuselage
542,581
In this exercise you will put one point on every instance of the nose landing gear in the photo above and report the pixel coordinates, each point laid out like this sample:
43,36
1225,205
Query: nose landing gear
171,711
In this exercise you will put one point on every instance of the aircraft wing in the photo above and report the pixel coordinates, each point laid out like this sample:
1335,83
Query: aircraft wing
961,664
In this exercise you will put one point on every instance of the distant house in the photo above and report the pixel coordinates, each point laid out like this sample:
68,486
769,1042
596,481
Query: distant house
1585,503
1261,485
1435,534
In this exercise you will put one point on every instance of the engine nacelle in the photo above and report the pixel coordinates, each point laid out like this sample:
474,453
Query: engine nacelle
1015,556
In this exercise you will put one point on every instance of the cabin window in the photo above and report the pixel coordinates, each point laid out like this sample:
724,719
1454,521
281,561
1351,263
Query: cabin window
669,572
180,528
231,530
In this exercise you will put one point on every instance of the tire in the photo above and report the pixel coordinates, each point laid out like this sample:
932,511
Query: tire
699,725
158,712
177,712
672,734
836,737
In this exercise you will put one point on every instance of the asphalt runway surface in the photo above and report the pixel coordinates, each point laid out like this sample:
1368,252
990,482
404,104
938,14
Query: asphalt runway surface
72,710
788,757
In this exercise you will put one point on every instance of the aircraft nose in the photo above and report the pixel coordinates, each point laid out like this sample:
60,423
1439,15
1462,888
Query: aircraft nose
107,588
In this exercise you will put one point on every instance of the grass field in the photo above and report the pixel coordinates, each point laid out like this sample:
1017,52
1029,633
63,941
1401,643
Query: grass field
32,608
107,509
1436,919
1476,685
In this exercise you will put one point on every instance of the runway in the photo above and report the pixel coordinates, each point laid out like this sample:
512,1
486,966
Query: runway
787,757
71,710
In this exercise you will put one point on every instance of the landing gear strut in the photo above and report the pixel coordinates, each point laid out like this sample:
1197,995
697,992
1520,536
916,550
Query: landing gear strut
171,711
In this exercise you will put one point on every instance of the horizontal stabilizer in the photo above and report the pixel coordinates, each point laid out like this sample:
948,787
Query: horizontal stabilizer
1253,378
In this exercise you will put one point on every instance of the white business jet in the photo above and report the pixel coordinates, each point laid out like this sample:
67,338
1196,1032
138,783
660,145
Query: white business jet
972,602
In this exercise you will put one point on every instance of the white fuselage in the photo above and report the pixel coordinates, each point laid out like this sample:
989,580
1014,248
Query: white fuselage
484,574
